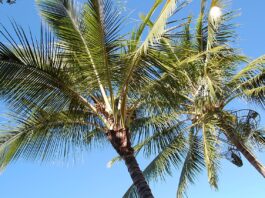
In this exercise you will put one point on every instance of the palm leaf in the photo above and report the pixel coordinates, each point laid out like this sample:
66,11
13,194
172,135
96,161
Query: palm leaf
44,136
250,81
193,164
158,28
68,26
210,155
36,71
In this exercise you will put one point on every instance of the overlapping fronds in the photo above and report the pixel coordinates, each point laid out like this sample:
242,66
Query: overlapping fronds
193,164
45,136
158,28
84,79
135,62
240,139
250,81
90,37
211,156
35,70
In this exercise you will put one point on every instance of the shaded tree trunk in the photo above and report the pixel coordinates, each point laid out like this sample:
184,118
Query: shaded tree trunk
137,176
120,140
229,132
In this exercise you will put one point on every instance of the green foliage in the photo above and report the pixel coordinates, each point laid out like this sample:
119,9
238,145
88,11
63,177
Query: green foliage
171,91
79,80
192,165
205,71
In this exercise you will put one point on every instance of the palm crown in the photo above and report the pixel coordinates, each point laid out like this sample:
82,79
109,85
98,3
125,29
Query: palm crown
80,82
211,75
83,82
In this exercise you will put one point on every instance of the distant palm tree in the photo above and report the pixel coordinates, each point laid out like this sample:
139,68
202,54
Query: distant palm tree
211,84
81,83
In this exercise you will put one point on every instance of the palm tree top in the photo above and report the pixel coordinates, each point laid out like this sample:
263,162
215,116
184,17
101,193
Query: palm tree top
83,81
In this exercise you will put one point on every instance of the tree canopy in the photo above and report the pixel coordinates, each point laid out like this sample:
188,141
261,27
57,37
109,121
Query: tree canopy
164,89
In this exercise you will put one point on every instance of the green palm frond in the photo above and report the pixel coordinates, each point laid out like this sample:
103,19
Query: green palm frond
250,81
35,70
199,28
96,138
45,136
193,164
211,156
154,35
102,25
156,143
90,37
158,28
153,123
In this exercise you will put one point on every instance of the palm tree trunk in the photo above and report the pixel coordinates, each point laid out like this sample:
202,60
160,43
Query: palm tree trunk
120,140
137,176
245,151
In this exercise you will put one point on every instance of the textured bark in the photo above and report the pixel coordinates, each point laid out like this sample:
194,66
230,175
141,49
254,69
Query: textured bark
137,176
120,140
247,154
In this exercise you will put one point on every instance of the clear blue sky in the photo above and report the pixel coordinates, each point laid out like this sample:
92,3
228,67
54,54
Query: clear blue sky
90,177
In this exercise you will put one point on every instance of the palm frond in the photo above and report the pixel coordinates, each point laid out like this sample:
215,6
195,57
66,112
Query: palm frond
250,81
35,70
199,28
66,22
210,154
45,136
101,29
158,28
193,164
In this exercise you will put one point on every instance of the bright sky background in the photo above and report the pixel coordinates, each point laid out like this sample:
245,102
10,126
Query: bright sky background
91,177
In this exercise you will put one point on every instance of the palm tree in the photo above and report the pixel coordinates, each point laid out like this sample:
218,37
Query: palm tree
80,83
210,83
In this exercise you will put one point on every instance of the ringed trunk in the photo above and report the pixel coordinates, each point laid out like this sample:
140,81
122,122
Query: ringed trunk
137,176
120,140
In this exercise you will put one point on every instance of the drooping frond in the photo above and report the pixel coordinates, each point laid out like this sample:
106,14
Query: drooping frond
44,136
251,82
211,157
148,125
35,71
96,138
193,164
